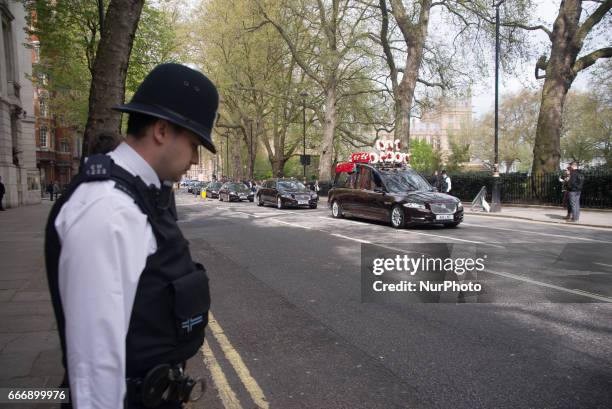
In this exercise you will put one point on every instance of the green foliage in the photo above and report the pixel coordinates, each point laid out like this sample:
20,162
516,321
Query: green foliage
459,154
424,158
587,128
69,33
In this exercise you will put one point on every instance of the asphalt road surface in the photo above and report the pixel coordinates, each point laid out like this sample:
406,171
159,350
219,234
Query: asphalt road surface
289,328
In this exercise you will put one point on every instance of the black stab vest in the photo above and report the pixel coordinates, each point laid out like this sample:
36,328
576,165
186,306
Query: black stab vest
172,299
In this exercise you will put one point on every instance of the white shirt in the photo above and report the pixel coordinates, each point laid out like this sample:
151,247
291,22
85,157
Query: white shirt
448,184
105,240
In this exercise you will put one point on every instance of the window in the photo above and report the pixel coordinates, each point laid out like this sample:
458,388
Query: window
44,109
8,49
43,136
65,146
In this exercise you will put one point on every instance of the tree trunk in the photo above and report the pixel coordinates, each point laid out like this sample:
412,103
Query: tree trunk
559,78
326,153
547,147
237,161
278,167
414,35
110,68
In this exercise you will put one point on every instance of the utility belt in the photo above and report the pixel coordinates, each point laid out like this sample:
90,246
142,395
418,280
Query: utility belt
163,384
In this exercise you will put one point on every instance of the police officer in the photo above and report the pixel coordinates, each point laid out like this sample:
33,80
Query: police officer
130,303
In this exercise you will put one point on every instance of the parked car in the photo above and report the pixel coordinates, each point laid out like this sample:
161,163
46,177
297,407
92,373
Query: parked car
231,191
393,194
286,193
212,190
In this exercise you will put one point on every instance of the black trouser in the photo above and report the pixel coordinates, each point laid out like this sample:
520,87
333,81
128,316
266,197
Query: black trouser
1,198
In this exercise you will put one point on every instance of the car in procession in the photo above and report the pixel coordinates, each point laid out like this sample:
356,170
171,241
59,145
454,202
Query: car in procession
212,190
286,193
390,192
231,191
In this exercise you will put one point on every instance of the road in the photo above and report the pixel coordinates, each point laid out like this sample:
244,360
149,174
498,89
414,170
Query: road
290,329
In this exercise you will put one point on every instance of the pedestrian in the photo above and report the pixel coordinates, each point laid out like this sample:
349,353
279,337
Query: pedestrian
564,179
50,190
131,304
574,187
56,189
316,186
2,192
445,183
435,179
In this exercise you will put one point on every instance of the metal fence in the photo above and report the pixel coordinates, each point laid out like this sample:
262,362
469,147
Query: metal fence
543,189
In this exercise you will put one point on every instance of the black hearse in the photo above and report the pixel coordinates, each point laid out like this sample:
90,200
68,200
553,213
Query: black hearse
391,193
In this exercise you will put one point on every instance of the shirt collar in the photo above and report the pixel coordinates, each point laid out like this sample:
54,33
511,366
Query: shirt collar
126,157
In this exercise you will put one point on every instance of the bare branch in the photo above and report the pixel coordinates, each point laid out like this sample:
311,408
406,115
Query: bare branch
590,59
590,22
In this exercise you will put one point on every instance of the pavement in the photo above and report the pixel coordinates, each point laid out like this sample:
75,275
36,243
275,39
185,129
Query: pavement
30,354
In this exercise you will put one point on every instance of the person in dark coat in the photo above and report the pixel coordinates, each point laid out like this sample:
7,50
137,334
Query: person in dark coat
574,187
2,192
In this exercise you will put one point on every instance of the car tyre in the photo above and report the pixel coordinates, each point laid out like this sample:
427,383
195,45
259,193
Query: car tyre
398,219
337,210
279,203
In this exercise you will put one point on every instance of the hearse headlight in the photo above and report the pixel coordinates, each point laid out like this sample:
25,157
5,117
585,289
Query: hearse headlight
459,206
415,206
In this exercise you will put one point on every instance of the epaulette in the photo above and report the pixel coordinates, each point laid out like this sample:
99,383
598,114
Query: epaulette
98,167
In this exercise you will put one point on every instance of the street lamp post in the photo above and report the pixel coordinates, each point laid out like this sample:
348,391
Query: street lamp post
304,94
495,202
227,151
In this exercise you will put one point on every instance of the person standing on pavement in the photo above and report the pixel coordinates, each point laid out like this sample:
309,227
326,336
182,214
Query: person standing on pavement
56,189
2,192
131,304
50,191
564,179
435,180
574,187
445,183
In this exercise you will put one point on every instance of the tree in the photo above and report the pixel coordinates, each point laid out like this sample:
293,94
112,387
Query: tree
568,39
110,67
424,158
587,128
437,62
518,116
69,32
257,78
335,28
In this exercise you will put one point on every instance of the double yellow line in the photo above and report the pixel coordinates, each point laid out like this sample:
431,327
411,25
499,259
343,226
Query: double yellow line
226,393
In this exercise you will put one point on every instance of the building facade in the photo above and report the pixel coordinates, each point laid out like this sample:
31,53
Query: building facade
17,120
58,149
447,118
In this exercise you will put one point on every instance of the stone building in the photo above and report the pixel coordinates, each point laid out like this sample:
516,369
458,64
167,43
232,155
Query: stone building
17,143
446,118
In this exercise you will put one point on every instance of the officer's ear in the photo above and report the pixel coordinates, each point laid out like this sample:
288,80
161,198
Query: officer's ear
161,131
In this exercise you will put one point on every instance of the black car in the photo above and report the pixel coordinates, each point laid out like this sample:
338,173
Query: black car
286,193
231,191
393,194
212,190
